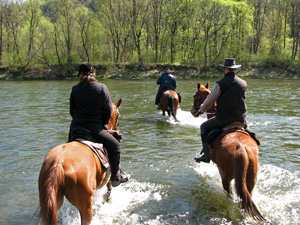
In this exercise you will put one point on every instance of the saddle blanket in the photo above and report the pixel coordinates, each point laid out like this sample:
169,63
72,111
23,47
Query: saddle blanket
98,149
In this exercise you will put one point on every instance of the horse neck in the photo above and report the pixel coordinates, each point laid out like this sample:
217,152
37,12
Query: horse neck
113,123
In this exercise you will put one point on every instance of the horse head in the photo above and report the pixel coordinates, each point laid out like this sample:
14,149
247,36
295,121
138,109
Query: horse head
199,97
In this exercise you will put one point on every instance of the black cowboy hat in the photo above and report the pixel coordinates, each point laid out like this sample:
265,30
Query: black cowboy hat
230,64
86,68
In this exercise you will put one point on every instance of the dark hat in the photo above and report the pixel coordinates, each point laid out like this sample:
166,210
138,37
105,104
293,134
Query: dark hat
86,68
230,64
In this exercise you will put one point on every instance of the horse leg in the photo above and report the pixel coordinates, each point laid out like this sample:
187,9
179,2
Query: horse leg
171,106
251,174
86,212
226,179
109,188
169,112
80,190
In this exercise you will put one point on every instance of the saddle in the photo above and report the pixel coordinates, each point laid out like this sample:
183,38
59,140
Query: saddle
219,133
85,137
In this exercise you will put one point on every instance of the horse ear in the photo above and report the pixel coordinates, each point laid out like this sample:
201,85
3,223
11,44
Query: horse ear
118,104
198,86
207,85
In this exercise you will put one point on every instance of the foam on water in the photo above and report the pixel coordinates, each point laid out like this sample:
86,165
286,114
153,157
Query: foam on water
276,192
186,119
119,210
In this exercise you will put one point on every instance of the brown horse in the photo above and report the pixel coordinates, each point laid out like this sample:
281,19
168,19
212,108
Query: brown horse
169,102
74,171
199,97
236,156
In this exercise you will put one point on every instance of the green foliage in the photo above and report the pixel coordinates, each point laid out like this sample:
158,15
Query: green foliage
198,33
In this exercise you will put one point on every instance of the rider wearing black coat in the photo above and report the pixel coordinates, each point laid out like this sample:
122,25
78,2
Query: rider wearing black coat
91,108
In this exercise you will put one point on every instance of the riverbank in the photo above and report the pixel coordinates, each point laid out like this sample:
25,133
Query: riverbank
148,71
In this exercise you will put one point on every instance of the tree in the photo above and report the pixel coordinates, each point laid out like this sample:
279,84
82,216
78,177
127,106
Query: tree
260,7
295,26
139,16
155,23
33,17
84,19
113,14
66,22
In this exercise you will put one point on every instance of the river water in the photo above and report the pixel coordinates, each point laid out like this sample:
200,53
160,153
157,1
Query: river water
166,186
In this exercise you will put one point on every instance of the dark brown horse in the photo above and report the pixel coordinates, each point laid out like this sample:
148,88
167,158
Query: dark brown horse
74,171
169,102
236,156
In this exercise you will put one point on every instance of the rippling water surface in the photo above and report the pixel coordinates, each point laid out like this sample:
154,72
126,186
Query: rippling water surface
166,186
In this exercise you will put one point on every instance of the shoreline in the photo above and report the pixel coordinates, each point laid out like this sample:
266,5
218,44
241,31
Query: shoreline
149,71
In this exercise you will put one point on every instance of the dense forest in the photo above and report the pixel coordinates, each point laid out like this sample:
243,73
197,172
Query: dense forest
59,34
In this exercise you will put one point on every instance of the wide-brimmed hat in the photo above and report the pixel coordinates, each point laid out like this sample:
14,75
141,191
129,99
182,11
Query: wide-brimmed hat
86,68
230,64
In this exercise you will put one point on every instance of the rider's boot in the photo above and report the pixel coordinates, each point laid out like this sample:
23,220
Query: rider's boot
205,157
116,177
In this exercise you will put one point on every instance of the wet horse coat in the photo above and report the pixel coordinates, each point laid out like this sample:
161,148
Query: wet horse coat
74,171
236,156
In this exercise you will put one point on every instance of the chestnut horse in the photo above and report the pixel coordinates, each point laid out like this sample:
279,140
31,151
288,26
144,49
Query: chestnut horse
74,171
169,101
236,156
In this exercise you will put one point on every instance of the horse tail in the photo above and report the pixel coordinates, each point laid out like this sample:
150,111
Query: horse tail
172,105
50,183
241,169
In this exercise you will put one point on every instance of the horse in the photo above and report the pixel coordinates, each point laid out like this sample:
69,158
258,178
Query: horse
74,171
236,156
199,97
169,102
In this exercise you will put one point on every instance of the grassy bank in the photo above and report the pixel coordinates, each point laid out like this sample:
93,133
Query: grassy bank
147,71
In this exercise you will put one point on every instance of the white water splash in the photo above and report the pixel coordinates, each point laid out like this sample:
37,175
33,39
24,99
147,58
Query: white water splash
119,210
276,192
187,119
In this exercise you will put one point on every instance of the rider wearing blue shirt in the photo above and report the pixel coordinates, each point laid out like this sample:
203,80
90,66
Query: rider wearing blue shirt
167,82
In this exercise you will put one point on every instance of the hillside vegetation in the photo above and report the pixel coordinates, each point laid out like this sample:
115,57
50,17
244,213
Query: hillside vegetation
48,39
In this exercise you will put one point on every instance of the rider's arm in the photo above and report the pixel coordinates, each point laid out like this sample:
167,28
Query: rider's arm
107,106
159,79
211,99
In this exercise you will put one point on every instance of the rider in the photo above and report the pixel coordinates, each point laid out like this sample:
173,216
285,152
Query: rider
91,108
167,82
229,93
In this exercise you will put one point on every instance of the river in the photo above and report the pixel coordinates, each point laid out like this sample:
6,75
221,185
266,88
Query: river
166,186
